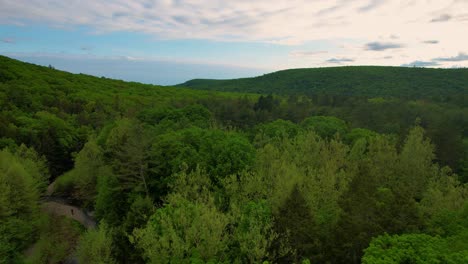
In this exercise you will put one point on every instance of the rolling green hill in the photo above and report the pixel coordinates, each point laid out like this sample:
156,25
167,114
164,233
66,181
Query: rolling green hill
369,81
34,100
29,79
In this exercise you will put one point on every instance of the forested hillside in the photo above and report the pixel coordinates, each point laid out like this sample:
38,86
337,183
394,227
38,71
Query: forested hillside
174,175
367,81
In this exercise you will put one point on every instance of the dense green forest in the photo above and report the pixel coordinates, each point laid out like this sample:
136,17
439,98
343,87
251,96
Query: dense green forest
371,167
367,81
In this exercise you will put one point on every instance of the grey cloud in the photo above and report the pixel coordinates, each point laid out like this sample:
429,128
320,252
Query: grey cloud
86,48
442,18
119,14
8,40
182,19
421,64
179,3
307,53
275,12
148,4
329,10
371,5
380,46
431,42
460,57
341,4
339,60
388,57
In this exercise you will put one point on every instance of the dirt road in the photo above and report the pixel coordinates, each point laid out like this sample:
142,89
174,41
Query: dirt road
56,207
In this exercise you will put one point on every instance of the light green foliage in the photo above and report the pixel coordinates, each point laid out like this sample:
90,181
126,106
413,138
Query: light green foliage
412,248
312,164
399,191
35,165
188,226
444,204
251,212
18,203
255,231
359,133
444,192
312,171
416,163
325,126
183,229
95,246
276,174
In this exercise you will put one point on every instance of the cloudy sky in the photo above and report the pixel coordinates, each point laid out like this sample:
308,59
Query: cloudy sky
170,41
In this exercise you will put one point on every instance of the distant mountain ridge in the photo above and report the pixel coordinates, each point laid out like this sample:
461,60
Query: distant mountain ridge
368,81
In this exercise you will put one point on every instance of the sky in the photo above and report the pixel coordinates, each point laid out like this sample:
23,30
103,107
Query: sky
171,41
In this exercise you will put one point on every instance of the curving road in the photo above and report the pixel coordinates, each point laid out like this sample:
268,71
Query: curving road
57,207
61,207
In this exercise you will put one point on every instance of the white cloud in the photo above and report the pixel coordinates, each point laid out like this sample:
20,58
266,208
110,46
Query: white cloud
352,23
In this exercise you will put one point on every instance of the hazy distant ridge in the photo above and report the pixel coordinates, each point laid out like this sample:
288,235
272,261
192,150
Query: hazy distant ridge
357,81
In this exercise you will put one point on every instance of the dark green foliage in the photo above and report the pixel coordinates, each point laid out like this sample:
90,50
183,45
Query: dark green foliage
267,103
57,240
220,153
275,131
295,228
174,119
82,180
369,81
51,136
